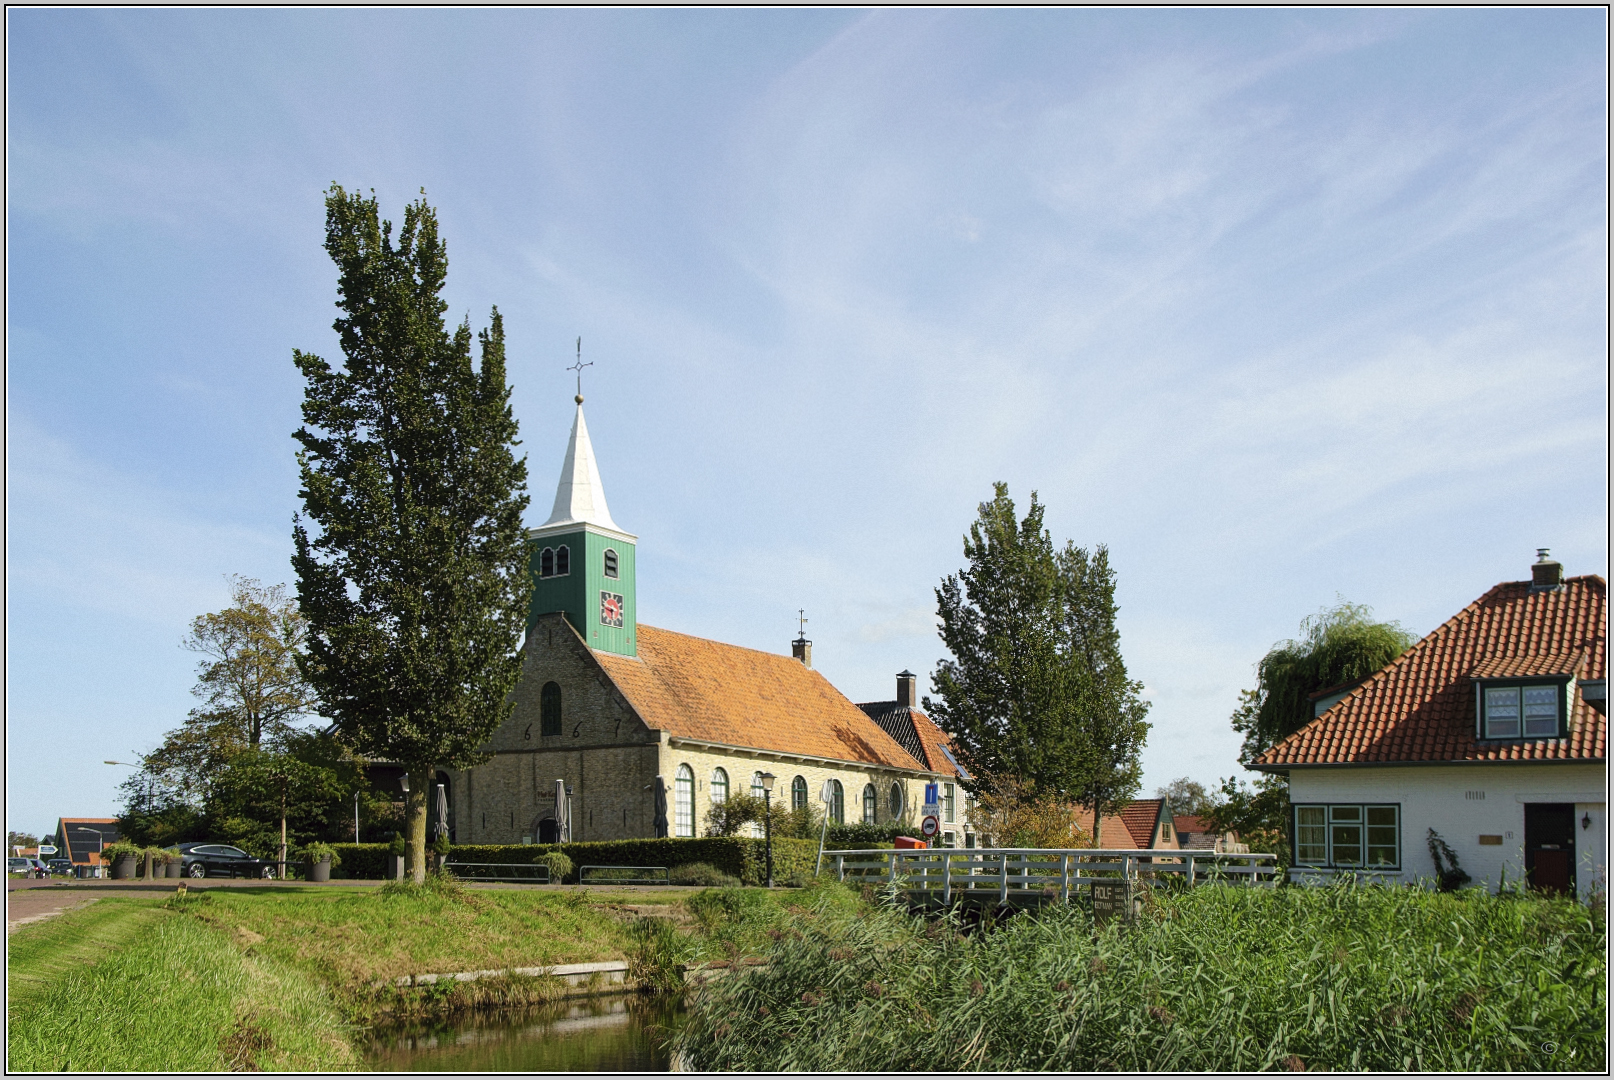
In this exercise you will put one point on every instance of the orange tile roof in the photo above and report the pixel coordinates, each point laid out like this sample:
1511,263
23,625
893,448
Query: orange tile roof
931,740
697,689
1133,827
1420,706
914,732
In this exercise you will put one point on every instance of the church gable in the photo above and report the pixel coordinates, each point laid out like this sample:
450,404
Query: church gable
704,690
564,699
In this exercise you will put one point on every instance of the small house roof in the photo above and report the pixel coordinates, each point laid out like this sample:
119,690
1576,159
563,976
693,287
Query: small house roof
1421,706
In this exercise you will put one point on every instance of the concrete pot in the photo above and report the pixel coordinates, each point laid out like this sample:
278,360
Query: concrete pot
125,867
395,867
320,871
174,869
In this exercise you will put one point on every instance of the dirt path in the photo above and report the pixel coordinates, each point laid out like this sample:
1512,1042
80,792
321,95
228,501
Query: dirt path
24,906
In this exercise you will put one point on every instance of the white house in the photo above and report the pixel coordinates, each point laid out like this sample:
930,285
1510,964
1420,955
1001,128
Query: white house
1492,732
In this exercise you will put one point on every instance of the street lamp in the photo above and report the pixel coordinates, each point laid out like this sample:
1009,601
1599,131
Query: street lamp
132,765
767,820
100,841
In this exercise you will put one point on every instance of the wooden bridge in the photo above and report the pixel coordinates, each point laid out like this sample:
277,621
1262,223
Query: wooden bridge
1027,877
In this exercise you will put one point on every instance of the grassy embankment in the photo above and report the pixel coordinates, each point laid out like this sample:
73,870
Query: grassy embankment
1213,979
280,978
129,985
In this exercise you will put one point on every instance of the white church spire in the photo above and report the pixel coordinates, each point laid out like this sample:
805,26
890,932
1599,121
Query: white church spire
580,497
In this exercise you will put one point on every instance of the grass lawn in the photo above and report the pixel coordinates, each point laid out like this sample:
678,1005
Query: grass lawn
1218,978
128,984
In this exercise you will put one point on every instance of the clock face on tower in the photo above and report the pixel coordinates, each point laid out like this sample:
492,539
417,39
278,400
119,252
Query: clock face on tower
610,609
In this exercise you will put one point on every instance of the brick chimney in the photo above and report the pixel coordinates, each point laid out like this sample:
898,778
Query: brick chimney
1546,573
905,689
802,650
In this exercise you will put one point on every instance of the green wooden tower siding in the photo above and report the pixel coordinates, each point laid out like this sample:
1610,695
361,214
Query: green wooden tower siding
578,593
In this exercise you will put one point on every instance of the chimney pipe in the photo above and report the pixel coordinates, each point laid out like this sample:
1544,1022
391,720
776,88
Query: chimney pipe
1546,573
905,689
802,650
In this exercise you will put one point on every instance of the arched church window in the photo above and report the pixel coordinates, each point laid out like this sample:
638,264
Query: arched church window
684,802
720,786
549,709
837,802
563,561
546,562
871,804
798,793
610,562
894,803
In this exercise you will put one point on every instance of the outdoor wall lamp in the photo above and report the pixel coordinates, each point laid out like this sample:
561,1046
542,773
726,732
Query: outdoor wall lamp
1586,820
404,782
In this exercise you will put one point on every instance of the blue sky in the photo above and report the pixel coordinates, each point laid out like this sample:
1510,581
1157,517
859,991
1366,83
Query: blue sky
1280,305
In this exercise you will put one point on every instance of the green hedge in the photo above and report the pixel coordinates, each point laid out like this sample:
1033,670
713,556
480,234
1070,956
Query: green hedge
741,856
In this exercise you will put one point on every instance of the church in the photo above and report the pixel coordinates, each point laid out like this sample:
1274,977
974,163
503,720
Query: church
627,731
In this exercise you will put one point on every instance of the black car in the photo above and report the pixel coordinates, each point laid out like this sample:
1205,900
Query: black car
200,860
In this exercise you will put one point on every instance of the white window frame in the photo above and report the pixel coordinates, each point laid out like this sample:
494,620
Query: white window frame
1489,695
684,802
950,803
1336,820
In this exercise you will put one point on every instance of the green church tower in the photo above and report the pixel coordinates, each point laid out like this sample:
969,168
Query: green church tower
582,563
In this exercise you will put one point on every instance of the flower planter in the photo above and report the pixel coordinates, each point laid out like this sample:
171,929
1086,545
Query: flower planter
125,867
320,871
173,869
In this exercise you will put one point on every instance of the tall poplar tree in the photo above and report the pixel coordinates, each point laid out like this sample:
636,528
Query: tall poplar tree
1036,689
415,584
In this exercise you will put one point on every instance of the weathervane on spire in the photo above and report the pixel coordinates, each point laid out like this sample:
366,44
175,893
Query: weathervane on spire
578,367
801,619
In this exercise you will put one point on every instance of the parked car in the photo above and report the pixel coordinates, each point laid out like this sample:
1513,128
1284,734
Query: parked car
26,867
200,860
60,867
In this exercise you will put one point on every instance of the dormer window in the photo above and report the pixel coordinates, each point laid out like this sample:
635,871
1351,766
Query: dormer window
546,563
1523,710
563,561
610,563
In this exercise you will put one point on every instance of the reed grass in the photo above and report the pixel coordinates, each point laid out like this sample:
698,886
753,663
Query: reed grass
1216,978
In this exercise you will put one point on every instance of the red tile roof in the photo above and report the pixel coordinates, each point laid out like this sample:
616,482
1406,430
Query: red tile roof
1136,826
1420,707
697,689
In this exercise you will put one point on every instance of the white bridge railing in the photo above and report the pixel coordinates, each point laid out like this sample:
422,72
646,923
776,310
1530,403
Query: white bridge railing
1043,873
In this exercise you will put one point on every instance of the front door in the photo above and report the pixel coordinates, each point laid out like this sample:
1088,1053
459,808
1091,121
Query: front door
1549,846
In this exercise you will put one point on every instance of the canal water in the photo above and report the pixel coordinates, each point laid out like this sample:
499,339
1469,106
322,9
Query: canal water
625,1033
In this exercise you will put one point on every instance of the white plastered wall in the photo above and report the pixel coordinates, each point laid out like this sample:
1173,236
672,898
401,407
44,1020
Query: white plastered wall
1462,803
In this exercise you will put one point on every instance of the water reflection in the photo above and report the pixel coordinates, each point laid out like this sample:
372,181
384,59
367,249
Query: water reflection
624,1033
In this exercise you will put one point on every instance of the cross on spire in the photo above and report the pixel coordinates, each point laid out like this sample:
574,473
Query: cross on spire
578,367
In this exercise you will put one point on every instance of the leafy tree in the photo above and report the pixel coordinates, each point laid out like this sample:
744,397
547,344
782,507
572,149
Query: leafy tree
1036,688
1185,796
1012,814
15,839
728,817
250,796
1259,816
252,690
1338,645
415,585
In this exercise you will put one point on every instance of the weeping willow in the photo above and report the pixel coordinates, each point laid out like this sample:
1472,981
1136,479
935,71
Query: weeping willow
1337,646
